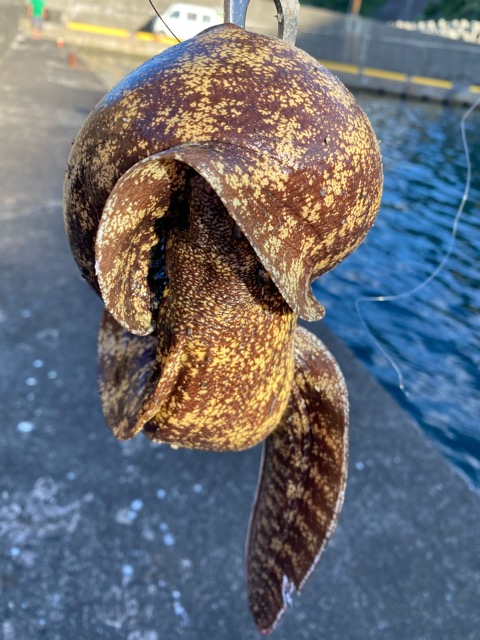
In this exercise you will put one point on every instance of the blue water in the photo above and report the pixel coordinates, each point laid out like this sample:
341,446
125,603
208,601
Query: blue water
434,335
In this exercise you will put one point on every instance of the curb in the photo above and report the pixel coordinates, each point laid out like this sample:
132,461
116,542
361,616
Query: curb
402,84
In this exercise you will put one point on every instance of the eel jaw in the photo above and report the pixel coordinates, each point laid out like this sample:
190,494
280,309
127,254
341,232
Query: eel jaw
301,485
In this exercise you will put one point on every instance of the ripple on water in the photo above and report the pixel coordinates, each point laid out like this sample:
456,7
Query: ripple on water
434,334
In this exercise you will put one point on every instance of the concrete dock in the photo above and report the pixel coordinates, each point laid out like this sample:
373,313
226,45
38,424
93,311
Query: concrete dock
130,541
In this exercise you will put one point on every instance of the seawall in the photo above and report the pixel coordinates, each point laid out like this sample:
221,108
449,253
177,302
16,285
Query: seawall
372,55
364,53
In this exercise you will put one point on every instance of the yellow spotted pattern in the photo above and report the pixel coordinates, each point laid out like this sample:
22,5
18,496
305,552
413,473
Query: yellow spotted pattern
289,147
203,196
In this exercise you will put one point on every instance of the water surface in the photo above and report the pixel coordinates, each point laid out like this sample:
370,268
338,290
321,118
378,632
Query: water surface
433,335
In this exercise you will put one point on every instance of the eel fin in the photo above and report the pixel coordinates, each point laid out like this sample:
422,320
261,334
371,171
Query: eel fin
301,485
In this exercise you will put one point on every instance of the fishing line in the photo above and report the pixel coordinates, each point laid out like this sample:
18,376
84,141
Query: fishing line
399,296
166,25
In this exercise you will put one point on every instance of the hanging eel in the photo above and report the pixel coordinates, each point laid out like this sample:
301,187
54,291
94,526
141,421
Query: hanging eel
203,196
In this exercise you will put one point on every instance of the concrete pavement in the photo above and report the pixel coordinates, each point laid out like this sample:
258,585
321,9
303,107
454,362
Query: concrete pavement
101,539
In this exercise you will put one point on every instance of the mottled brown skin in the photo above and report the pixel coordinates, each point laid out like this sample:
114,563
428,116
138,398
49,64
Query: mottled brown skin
223,368
279,138
301,485
202,196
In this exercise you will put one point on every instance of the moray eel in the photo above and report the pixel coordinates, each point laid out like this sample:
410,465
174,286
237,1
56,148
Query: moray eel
203,196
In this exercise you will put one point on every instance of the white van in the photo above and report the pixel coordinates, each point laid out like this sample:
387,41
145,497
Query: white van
186,20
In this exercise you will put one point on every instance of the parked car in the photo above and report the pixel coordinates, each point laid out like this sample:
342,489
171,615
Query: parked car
185,20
